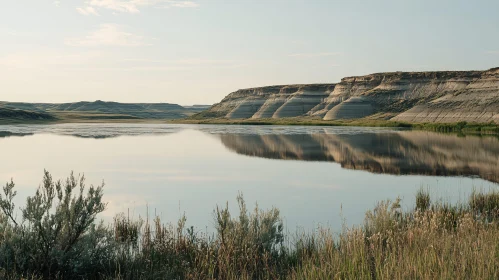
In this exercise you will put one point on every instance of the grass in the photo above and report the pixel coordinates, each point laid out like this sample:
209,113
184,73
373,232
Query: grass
75,117
92,112
15,116
460,127
57,238
104,110
295,121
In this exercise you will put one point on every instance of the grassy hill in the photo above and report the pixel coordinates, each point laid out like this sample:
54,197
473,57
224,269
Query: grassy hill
17,115
97,110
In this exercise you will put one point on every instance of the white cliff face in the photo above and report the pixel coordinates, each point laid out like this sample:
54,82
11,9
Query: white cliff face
301,102
270,106
355,107
445,97
273,102
472,100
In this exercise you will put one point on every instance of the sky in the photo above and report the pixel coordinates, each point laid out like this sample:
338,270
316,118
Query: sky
197,52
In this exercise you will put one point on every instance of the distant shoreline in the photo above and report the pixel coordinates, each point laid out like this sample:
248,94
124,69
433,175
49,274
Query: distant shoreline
461,127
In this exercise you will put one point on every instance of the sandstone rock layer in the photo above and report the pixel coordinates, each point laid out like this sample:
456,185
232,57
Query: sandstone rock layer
444,97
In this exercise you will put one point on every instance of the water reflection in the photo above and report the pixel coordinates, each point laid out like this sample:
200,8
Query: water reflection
171,169
94,131
377,150
5,134
401,152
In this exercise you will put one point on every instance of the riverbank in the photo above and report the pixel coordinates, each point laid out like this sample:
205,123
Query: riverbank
464,127
461,127
431,240
81,118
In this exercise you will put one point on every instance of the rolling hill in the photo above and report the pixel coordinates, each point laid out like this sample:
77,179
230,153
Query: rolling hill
98,110
18,115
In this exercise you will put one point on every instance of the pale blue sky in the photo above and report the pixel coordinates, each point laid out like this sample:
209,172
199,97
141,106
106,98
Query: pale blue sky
196,52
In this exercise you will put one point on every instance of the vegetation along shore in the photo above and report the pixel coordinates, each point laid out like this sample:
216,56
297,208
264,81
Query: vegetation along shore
464,127
56,236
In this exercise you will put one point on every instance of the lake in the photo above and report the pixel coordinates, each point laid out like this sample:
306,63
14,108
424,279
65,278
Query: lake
314,175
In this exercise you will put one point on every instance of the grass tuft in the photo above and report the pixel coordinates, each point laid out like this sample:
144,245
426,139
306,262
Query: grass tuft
57,238
422,200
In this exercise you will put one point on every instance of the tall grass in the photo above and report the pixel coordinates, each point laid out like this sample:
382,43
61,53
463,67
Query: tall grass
458,127
58,238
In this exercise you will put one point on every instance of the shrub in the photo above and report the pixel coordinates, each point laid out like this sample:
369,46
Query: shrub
56,230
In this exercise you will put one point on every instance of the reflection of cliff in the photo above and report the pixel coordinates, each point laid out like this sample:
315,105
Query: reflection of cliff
403,152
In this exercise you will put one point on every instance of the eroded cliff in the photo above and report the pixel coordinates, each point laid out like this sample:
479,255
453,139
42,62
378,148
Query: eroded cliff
445,97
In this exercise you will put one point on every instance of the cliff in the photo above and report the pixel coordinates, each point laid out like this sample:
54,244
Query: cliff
445,97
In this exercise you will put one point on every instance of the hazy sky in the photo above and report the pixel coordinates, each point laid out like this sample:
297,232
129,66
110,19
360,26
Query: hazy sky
196,52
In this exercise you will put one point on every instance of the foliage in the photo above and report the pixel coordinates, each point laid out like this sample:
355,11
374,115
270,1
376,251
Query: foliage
460,127
56,229
57,238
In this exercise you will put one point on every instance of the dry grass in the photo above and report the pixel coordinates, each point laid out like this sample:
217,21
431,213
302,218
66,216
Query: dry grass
415,245
432,241
460,127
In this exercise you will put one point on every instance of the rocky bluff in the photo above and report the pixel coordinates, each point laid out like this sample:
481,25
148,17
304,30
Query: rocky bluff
444,96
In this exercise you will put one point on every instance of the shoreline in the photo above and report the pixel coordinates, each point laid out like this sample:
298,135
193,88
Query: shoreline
460,127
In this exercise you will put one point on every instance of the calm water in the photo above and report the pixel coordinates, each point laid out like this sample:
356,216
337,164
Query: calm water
314,175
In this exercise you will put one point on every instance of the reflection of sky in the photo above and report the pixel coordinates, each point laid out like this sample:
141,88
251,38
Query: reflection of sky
103,130
190,171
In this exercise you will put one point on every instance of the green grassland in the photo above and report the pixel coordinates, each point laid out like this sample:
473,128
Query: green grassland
461,127
97,111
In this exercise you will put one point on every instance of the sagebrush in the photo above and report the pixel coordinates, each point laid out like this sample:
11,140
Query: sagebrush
56,236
